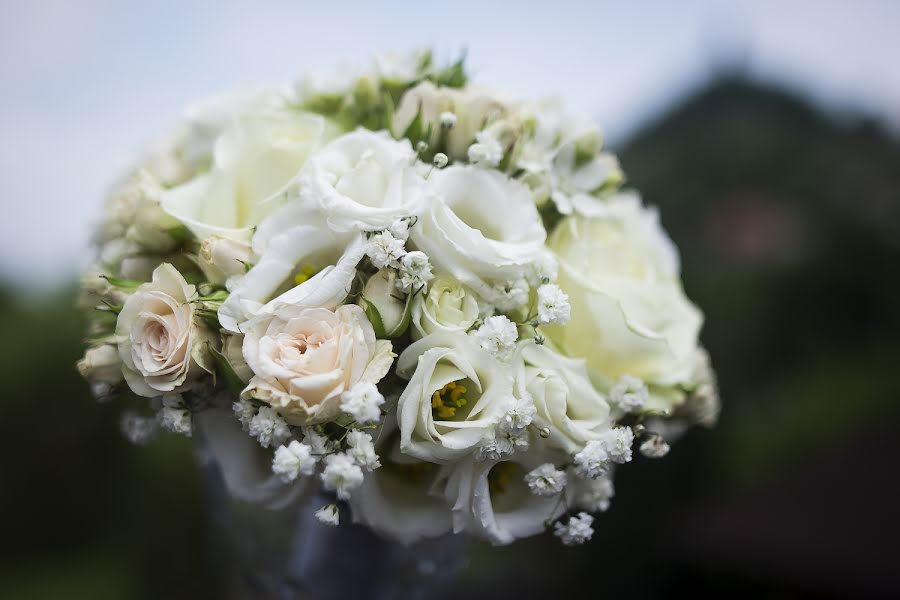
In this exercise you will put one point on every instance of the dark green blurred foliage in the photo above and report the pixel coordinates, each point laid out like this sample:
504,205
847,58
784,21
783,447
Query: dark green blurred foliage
789,228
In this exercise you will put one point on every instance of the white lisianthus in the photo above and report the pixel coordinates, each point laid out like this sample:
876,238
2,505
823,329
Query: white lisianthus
474,245
161,341
629,314
403,500
454,397
304,359
566,402
362,181
222,258
256,160
493,501
473,108
447,307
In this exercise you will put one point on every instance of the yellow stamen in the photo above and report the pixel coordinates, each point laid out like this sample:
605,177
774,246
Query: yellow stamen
446,401
500,476
304,274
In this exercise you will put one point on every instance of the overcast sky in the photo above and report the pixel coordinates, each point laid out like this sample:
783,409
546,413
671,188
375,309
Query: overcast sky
87,83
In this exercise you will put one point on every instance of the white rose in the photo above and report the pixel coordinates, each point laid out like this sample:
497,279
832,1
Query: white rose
381,292
257,157
448,306
402,500
303,359
491,500
564,397
479,226
300,262
473,107
453,399
101,364
362,181
161,341
222,258
629,313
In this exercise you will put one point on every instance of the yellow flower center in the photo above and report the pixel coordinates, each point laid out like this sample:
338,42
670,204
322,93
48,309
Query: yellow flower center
500,476
304,274
447,400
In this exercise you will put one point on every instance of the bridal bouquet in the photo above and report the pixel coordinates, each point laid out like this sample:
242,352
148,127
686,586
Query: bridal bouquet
433,302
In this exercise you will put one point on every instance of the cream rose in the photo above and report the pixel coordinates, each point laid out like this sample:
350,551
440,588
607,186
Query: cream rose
381,293
454,397
161,342
473,107
566,401
491,500
479,226
303,359
256,159
362,181
629,313
222,258
101,366
447,307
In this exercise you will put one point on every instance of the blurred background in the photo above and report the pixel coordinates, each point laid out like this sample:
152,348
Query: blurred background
766,132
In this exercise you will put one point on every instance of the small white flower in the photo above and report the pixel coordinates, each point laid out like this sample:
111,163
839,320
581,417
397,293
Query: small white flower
447,119
518,414
543,270
487,151
593,494
655,447
497,446
576,531
319,444
174,416
400,228
293,460
510,294
440,160
341,475
363,402
593,461
618,443
497,335
137,429
329,515
415,271
362,450
553,305
244,410
384,250
546,480
269,428
629,393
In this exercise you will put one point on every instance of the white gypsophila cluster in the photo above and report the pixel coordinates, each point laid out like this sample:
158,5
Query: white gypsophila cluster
518,413
618,442
269,428
614,446
542,271
137,429
577,530
487,151
329,515
174,415
497,335
363,402
546,480
497,446
509,295
244,410
447,119
385,250
341,475
593,494
399,228
361,448
415,271
552,305
319,444
654,447
293,460
629,393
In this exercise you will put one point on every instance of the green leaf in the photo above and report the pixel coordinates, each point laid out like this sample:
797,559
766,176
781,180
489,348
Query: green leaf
374,318
125,284
227,372
404,320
